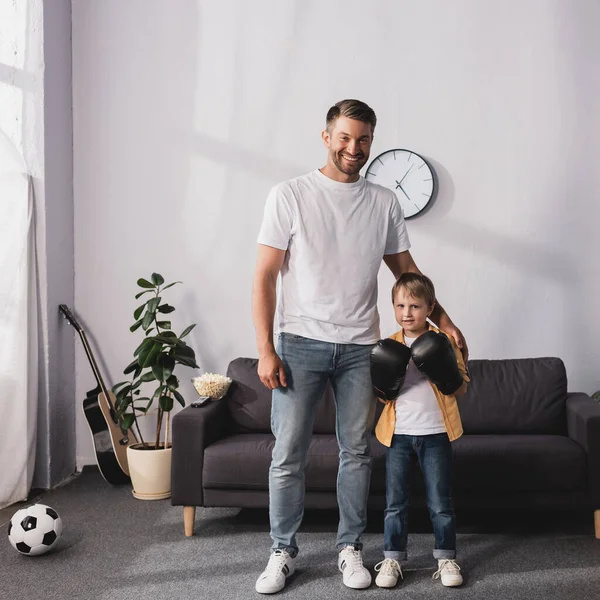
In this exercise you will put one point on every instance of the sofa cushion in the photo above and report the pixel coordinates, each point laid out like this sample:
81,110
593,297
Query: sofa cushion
518,396
249,401
482,463
242,462
518,463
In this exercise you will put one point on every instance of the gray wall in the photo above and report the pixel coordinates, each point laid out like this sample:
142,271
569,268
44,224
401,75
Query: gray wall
187,112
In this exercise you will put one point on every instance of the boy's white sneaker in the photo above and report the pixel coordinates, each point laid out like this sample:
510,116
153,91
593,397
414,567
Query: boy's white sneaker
389,572
350,563
280,566
449,572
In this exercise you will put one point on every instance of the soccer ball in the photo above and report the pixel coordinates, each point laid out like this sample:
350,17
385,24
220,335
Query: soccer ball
34,530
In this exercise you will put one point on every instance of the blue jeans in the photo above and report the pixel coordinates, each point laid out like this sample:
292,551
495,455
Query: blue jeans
309,364
434,455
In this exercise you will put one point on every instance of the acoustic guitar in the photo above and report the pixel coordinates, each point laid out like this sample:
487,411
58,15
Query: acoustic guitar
110,440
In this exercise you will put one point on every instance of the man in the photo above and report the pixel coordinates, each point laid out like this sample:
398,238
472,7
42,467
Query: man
326,233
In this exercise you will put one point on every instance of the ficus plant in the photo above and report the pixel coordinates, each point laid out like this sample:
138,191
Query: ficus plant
155,360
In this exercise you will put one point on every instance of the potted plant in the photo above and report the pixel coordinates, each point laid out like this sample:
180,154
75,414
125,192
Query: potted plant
155,360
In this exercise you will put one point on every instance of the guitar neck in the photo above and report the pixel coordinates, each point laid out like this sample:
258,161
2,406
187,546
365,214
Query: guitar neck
95,368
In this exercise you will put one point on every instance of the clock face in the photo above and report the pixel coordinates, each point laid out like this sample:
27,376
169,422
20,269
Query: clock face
408,174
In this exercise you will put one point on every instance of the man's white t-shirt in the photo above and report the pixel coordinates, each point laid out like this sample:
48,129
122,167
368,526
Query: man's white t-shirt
417,408
336,235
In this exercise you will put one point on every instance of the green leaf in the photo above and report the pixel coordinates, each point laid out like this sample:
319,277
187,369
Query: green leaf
135,326
142,293
186,331
124,391
179,397
153,304
184,355
183,350
170,285
164,324
172,383
147,320
130,368
136,384
166,308
157,279
122,403
159,390
115,387
163,338
145,342
144,283
149,358
147,376
127,420
164,367
137,313
187,362
145,348
166,403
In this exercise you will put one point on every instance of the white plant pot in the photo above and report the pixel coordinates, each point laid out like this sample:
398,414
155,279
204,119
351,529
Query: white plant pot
150,472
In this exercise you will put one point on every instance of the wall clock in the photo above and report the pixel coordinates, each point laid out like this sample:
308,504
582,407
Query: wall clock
408,174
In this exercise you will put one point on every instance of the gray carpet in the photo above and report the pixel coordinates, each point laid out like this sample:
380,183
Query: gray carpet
115,547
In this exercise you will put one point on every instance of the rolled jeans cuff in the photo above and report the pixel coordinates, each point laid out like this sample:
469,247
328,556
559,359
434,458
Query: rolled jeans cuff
395,555
450,554
357,546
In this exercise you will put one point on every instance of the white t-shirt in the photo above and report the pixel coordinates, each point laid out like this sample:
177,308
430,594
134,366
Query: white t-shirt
336,235
417,408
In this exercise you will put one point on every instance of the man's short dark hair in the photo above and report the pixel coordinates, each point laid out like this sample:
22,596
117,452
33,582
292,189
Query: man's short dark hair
353,109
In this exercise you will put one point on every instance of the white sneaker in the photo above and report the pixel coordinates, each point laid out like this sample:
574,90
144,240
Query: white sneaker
280,566
350,563
389,571
449,572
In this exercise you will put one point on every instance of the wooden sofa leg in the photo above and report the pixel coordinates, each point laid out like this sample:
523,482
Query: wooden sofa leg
189,515
597,523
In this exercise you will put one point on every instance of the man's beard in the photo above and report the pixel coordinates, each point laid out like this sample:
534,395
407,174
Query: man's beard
348,168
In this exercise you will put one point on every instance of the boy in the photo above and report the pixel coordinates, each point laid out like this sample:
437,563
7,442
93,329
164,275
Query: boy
419,421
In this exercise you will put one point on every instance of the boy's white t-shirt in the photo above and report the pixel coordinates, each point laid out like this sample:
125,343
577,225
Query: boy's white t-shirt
417,408
336,235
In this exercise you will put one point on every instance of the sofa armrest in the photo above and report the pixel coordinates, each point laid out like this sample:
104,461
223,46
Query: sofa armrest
193,430
583,426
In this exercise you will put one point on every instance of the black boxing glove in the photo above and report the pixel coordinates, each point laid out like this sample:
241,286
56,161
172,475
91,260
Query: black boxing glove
389,361
434,356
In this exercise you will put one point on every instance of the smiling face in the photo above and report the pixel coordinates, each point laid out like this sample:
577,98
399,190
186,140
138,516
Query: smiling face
348,144
411,313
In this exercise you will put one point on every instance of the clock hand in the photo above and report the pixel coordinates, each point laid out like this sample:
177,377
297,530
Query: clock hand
405,174
405,193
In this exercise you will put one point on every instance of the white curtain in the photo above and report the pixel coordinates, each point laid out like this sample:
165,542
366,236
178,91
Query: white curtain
18,327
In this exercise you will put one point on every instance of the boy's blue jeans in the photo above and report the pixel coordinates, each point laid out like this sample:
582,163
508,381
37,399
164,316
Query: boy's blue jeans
434,455
308,365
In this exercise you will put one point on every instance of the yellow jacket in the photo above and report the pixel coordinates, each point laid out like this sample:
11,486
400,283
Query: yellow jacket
387,421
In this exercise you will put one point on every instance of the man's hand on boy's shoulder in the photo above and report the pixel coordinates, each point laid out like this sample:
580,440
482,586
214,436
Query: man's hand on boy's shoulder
456,334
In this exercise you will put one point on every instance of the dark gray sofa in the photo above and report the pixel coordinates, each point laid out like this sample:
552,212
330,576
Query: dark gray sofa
528,444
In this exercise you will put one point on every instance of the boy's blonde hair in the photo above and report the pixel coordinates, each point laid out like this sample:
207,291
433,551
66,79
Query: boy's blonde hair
416,285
